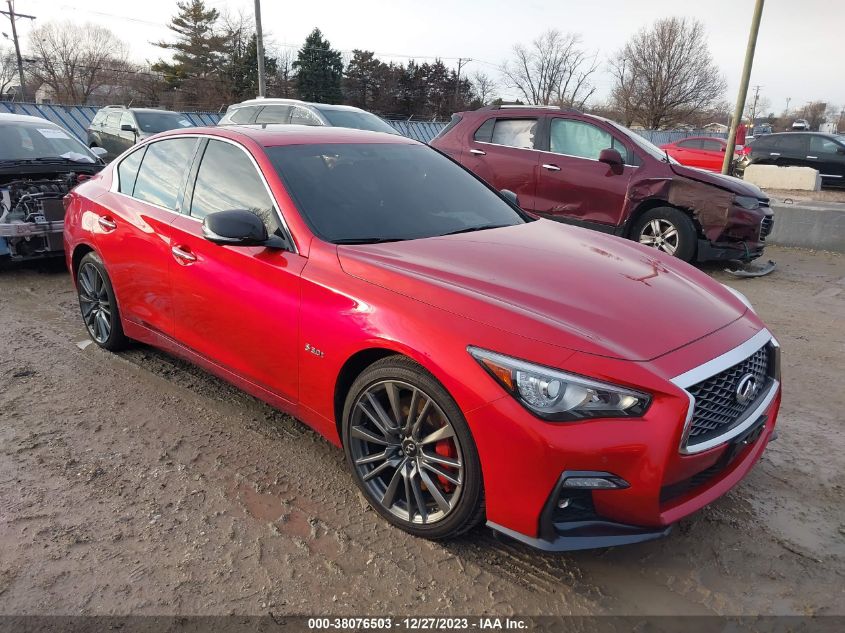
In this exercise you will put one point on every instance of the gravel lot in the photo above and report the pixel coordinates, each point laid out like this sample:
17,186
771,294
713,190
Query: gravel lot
139,484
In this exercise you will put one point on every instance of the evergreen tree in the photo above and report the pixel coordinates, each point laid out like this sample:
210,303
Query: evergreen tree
363,79
319,70
198,49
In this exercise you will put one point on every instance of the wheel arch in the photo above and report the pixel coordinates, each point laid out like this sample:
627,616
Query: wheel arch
349,371
79,251
653,203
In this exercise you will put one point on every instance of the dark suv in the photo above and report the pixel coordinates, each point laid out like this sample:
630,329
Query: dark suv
117,128
587,170
823,152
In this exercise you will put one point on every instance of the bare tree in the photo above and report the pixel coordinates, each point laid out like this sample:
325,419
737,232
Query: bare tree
484,86
8,69
665,73
814,113
75,60
285,86
554,68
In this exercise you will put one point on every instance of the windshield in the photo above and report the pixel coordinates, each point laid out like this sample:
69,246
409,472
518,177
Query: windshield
647,146
362,193
152,122
37,140
356,120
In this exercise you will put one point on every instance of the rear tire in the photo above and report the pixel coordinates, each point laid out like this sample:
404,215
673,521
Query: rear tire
98,304
668,230
411,452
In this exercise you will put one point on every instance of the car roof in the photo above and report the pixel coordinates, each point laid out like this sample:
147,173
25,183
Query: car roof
274,134
279,101
699,138
24,118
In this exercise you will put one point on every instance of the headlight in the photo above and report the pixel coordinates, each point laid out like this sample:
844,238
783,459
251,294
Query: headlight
747,202
556,395
740,296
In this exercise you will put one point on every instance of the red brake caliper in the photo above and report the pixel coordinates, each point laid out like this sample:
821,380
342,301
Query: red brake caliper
446,449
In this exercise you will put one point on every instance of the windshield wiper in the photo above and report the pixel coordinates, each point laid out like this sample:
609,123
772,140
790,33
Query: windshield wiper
471,229
44,160
368,240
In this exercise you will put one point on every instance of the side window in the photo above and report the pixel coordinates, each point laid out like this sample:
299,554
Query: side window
515,132
484,134
112,119
792,143
98,118
127,119
711,146
583,140
227,179
690,144
822,145
274,114
241,115
162,171
301,116
127,171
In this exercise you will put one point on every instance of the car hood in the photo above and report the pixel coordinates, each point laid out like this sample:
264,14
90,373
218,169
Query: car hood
729,183
562,285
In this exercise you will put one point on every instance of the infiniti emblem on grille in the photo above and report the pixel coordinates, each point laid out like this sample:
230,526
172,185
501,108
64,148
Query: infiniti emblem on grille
746,388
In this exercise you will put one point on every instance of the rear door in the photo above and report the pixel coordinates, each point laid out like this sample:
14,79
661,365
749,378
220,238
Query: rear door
132,229
787,150
237,306
502,151
687,152
109,133
712,154
572,183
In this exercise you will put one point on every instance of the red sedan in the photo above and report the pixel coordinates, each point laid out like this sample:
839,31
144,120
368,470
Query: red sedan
573,389
704,152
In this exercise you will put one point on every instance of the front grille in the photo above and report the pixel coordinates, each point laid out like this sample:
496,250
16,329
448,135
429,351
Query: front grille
766,226
717,408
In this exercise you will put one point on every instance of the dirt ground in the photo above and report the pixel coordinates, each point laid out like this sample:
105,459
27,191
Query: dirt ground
135,483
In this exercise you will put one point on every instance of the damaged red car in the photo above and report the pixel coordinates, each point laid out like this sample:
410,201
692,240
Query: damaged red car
474,362
587,170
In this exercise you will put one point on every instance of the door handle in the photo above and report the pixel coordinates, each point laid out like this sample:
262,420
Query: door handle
774,153
477,152
551,167
812,157
183,255
106,223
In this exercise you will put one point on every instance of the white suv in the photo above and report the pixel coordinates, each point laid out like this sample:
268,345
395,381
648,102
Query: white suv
294,112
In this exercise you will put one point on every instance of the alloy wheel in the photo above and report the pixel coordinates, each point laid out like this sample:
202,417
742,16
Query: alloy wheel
660,234
94,302
406,452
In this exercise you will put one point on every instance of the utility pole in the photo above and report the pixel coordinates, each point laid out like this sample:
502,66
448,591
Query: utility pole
743,85
259,45
754,105
12,18
461,62
786,111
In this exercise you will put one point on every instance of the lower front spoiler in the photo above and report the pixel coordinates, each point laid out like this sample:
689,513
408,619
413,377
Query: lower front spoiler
579,535
719,251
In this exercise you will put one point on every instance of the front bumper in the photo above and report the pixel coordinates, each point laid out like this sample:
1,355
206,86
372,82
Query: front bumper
743,239
523,476
30,229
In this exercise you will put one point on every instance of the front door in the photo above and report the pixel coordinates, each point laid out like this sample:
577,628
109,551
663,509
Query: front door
238,306
572,183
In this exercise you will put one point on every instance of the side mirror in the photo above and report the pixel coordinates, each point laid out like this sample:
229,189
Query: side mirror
237,227
99,152
612,157
127,128
510,196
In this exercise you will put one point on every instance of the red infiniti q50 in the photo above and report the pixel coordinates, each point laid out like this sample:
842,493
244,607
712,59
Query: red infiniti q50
475,363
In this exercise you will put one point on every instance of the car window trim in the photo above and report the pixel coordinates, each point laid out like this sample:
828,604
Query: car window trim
279,214
536,118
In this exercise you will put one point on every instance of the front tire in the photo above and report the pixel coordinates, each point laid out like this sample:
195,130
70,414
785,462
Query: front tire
669,230
411,452
98,304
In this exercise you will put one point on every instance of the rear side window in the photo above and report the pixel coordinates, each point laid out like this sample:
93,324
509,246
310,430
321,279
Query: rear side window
515,132
301,116
274,114
113,119
98,118
711,146
241,115
456,118
795,143
484,134
163,170
693,143
127,171
583,140
227,179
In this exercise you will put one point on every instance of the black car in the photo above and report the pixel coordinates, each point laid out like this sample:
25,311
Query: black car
117,128
823,152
